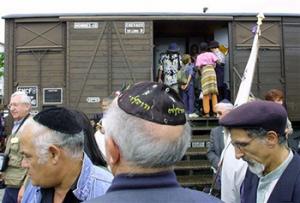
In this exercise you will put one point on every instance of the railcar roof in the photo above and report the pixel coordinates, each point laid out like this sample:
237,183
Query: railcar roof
144,14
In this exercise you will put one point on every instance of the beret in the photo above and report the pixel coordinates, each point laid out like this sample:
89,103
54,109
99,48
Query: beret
153,101
257,114
59,119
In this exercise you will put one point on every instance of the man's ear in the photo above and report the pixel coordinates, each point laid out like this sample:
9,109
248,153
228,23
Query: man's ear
113,151
54,153
272,138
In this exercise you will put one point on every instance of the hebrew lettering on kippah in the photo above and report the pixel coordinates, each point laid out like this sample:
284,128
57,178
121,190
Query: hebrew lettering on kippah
138,102
175,110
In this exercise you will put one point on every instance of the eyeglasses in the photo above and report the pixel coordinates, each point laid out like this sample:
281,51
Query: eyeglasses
242,145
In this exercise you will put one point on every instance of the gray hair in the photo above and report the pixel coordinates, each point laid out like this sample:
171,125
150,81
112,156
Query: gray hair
224,106
44,137
261,133
138,140
24,97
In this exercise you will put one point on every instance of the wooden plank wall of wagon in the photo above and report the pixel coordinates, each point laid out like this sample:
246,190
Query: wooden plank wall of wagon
103,59
291,39
9,58
131,55
87,65
38,57
269,69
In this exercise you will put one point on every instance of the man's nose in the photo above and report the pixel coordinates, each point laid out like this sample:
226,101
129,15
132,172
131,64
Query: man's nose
238,153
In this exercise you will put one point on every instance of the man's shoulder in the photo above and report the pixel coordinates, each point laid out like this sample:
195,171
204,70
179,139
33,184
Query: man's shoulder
198,195
166,195
97,173
163,56
293,169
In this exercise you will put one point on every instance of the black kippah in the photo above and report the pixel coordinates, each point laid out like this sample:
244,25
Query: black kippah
154,102
59,119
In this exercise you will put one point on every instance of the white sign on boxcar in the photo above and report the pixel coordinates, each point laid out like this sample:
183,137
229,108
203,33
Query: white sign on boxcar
93,99
134,27
85,25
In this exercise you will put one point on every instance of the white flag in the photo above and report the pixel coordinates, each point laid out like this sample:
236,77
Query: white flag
234,170
246,83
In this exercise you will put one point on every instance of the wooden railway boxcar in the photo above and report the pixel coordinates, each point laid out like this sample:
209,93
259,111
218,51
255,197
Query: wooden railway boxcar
77,59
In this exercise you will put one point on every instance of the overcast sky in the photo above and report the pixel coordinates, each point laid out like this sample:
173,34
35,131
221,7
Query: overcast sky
99,6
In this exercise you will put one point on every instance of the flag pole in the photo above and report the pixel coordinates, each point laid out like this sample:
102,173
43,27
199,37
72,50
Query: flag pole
242,97
246,82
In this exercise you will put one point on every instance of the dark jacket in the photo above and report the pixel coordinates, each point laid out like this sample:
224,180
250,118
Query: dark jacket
287,188
294,141
216,146
159,188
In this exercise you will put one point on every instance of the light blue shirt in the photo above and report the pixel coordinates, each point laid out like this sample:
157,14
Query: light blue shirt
93,182
16,125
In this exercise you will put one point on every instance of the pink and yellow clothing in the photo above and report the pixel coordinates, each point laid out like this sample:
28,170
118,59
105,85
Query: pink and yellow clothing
207,58
206,62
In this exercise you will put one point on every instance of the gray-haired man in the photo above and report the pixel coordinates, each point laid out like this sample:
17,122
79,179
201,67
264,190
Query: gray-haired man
52,144
146,134
217,135
14,174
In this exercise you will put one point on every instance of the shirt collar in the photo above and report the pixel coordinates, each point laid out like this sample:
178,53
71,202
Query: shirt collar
18,122
275,174
139,181
81,180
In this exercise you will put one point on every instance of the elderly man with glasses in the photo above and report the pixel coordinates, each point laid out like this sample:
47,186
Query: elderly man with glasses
258,135
14,175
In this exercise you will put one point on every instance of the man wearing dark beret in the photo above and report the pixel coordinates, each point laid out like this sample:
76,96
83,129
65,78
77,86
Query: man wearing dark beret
258,135
59,171
146,133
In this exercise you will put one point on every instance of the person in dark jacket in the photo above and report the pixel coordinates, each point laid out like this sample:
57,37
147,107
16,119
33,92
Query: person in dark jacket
258,131
146,134
217,135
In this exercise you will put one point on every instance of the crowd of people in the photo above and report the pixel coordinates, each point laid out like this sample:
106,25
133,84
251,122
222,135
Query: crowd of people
56,156
199,74
127,152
